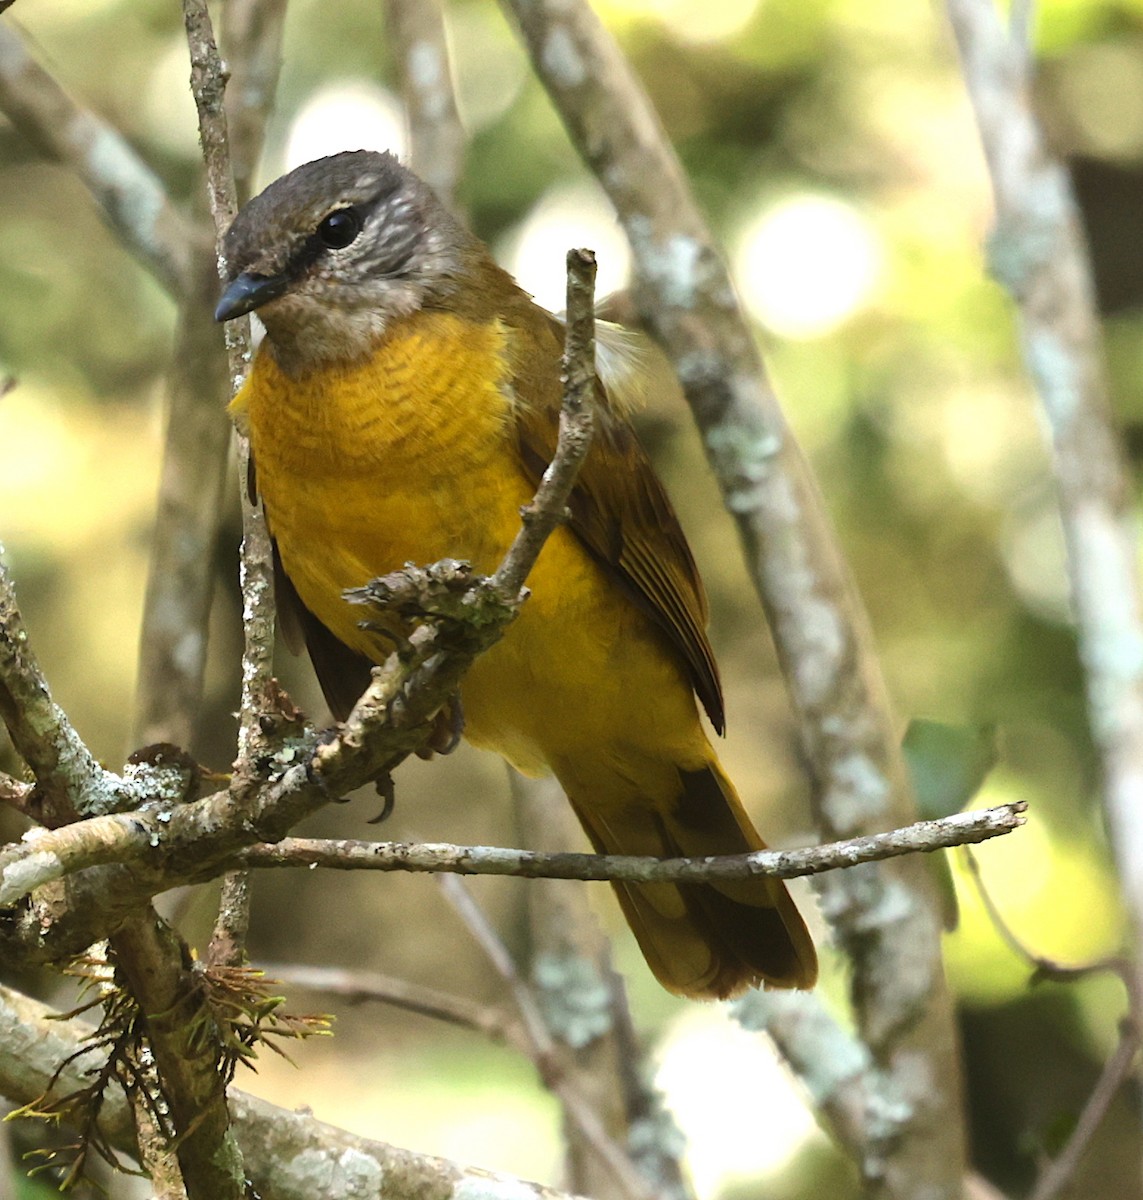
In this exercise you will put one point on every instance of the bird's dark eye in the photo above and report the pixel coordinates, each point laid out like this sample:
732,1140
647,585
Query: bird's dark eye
339,229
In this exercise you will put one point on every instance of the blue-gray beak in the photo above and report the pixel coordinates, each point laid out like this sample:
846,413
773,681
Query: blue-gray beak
248,292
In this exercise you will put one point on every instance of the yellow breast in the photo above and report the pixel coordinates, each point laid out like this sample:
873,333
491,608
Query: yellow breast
410,457
403,457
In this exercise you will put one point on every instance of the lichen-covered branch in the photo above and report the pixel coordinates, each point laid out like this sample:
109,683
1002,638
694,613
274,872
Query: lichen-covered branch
129,194
549,506
182,1036
436,137
289,1155
68,779
584,1006
181,577
886,918
919,838
857,1102
255,29
1037,251
208,84
360,986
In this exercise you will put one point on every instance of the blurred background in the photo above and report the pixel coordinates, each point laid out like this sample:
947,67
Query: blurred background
831,144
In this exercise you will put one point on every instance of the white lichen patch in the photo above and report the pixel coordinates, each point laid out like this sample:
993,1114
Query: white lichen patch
27,874
428,75
562,60
492,1187
865,785
352,1174
1056,373
109,160
575,999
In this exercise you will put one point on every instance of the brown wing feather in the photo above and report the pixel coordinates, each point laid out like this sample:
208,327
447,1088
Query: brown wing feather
342,673
621,514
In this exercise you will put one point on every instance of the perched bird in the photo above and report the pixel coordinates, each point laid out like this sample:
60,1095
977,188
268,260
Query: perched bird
401,408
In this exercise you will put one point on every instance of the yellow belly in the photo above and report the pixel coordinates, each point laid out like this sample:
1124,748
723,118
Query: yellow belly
410,457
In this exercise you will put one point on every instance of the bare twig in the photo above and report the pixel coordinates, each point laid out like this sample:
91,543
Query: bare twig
257,576
183,1038
1059,1174
548,508
252,43
173,640
129,194
436,136
359,986
256,571
232,926
887,919
252,35
156,843
257,30
344,854
541,1048
1038,252
1046,968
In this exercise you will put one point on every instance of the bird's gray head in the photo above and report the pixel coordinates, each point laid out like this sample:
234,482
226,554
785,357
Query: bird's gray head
335,251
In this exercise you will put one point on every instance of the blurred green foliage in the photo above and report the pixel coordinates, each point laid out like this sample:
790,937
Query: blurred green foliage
912,406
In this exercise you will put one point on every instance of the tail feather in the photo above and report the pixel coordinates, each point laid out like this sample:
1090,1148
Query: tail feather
704,940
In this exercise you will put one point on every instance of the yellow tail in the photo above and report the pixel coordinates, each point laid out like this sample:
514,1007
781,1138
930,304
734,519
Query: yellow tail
706,941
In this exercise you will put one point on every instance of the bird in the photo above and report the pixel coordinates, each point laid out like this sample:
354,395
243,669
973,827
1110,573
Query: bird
401,408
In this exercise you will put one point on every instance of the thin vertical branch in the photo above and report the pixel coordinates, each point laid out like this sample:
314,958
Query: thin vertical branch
252,38
886,917
252,33
584,1007
186,1046
1037,251
183,1039
436,136
180,583
542,1048
260,42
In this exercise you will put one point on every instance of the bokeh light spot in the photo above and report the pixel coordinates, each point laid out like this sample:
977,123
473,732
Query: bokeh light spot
807,264
752,1122
695,21
569,217
357,115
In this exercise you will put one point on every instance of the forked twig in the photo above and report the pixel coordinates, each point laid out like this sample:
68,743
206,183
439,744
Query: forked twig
1060,1172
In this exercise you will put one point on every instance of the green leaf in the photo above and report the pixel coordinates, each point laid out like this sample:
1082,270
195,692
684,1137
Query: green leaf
947,765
